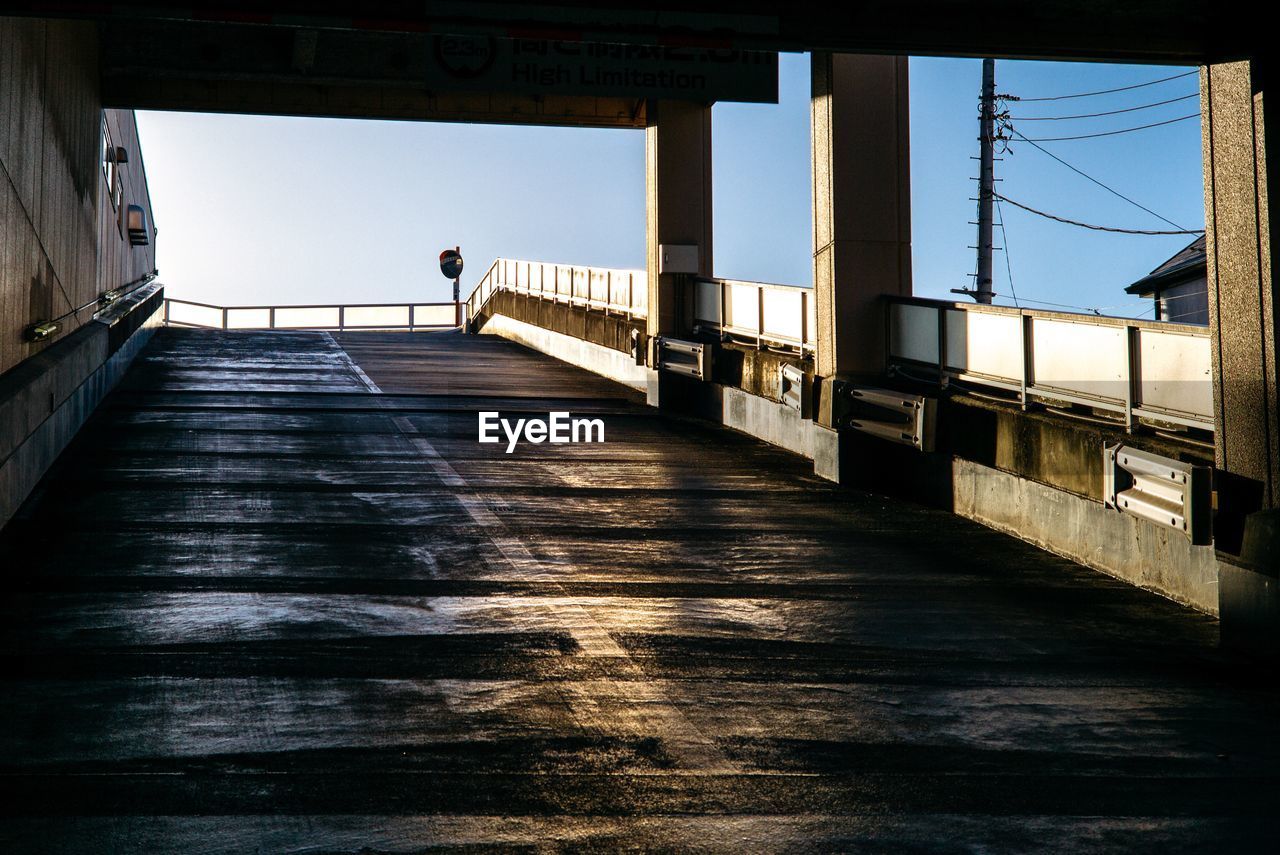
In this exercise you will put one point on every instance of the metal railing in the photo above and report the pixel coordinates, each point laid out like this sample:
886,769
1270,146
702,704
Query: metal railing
348,316
768,314
782,315
613,291
1138,369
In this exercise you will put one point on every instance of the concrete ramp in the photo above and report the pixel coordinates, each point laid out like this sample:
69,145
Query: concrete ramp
276,596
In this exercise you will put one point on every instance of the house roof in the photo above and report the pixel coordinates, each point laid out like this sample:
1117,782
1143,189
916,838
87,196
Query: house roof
1188,263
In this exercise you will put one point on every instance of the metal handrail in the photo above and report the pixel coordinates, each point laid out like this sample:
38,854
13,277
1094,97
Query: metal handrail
614,291
227,314
1138,369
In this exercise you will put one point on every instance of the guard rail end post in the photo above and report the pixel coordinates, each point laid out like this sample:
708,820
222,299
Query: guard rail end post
1132,380
1028,354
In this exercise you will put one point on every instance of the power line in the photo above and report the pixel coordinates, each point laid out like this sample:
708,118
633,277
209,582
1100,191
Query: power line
1109,91
1004,238
1062,305
1094,227
1084,174
1113,133
1146,301
1185,296
1107,113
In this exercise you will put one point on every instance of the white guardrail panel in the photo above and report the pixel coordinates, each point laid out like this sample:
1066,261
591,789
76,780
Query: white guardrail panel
778,314
1175,372
1137,368
913,332
706,302
1079,358
986,345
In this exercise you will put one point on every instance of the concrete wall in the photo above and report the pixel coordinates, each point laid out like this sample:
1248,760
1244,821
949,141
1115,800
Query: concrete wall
48,398
612,331
585,354
1088,532
61,241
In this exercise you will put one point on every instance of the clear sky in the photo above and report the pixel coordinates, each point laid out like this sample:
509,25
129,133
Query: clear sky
256,210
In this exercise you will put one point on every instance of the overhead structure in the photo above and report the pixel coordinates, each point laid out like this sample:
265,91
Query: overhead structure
1160,31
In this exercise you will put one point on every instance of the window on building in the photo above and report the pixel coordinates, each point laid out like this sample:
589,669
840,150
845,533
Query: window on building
109,168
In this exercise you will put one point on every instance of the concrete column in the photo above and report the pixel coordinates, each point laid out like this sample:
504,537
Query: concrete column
861,204
1242,294
677,204
1243,332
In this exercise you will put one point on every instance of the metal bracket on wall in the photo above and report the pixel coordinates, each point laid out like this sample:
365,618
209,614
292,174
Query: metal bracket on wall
1160,490
895,416
795,390
690,358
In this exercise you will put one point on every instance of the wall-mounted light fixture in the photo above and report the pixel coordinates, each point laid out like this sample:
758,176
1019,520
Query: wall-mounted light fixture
41,331
122,154
136,223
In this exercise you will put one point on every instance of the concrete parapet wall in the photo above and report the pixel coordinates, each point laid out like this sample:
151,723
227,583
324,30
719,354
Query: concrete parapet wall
1036,476
48,398
611,331
1087,532
585,354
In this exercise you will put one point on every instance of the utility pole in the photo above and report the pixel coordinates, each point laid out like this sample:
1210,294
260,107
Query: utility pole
982,291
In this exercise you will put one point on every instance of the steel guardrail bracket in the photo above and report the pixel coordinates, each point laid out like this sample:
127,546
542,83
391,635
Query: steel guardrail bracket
795,390
899,417
690,358
1165,492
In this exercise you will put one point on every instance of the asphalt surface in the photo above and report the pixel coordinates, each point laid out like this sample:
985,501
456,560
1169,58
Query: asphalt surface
258,606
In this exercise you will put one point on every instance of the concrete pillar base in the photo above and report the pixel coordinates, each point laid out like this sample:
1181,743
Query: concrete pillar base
653,389
683,395
826,453
1249,588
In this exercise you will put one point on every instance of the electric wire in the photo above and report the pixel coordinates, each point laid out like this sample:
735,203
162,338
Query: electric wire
1110,91
1106,113
1096,228
1090,309
1004,237
1084,174
1005,125
1113,133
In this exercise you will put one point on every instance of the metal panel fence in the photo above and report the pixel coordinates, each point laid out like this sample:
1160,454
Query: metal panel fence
351,316
1150,369
613,291
783,315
